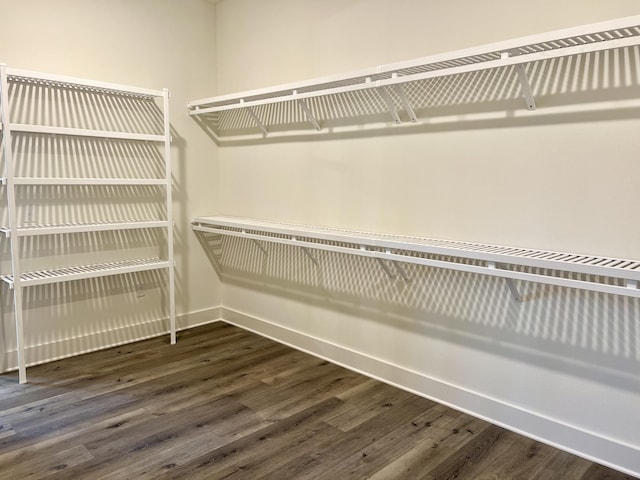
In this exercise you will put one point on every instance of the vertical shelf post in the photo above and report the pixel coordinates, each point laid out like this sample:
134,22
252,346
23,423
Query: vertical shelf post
169,185
13,224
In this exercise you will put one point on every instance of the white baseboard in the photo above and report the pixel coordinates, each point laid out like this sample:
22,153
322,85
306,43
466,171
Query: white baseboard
554,432
99,340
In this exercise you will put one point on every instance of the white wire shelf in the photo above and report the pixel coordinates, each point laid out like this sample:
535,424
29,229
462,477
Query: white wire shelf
501,261
399,89
82,132
34,230
66,274
73,83
86,181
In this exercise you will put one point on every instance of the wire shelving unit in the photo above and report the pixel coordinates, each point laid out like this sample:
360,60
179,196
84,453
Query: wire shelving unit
69,110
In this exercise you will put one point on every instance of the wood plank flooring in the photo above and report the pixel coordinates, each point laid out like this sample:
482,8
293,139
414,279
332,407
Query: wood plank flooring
227,404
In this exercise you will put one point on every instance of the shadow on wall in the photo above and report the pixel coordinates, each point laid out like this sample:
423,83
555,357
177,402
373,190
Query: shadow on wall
584,333
587,87
69,318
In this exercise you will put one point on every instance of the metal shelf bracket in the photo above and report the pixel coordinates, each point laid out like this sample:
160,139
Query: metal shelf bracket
401,271
255,118
307,111
311,257
260,247
524,82
388,101
526,87
405,100
386,268
308,253
511,284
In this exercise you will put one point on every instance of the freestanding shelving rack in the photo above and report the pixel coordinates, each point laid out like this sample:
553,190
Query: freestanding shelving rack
49,118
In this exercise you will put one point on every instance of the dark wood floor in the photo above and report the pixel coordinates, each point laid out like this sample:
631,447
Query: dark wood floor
225,403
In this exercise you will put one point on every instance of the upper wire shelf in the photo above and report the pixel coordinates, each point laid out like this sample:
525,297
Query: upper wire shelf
401,90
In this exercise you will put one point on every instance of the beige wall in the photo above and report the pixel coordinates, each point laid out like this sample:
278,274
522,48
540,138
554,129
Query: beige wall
148,43
561,179
475,170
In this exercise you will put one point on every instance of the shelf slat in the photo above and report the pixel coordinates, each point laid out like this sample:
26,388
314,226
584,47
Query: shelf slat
34,230
82,132
52,80
88,181
67,274
448,254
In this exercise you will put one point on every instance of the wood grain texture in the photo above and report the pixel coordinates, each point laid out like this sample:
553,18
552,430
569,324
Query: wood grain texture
227,404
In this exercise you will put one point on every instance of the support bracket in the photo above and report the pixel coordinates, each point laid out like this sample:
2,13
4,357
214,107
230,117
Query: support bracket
526,87
386,268
401,271
405,101
257,120
257,244
524,81
388,101
307,111
307,251
311,257
517,296
261,247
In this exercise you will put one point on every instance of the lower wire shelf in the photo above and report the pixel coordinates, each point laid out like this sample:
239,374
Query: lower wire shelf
66,274
586,272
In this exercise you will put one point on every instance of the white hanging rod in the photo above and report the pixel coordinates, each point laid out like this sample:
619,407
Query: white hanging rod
403,249
83,132
61,81
613,34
